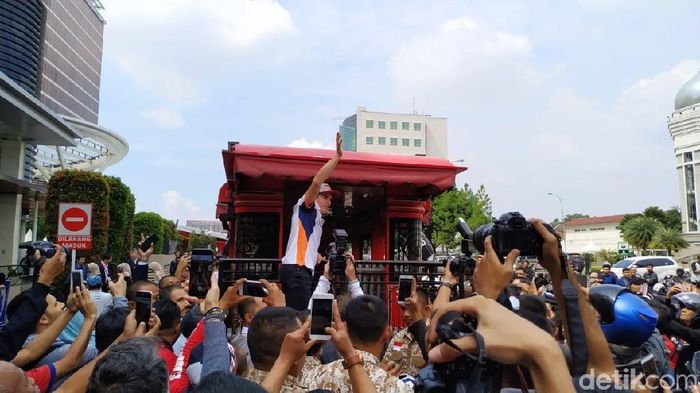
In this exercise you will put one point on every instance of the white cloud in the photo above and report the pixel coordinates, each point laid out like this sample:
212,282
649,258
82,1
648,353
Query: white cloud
464,62
170,47
165,118
175,206
309,144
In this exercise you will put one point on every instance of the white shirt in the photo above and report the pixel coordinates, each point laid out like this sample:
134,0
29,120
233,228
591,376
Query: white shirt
304,236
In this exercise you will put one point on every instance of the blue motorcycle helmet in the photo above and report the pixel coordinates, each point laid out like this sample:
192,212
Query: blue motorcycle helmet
626,319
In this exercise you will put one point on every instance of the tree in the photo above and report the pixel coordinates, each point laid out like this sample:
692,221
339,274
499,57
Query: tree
201,240
640,231
449,206
170,233
669,239
673,219
656,213
121,218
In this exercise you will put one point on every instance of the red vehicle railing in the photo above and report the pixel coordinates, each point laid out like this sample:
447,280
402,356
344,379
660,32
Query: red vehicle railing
379,278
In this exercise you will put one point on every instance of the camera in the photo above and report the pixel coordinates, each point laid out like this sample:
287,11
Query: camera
462,266
511,231
336,251
47,249
467,373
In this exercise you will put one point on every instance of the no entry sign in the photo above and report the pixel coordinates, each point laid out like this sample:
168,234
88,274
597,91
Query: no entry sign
75,225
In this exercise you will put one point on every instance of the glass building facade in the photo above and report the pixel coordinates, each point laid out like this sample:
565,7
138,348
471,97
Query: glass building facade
72,60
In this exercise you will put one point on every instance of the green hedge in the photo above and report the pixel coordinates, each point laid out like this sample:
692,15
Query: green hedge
121,218
80,187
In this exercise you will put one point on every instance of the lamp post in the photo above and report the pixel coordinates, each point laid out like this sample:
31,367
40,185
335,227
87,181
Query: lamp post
561,205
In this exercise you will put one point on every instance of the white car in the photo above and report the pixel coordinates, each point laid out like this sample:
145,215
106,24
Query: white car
663,266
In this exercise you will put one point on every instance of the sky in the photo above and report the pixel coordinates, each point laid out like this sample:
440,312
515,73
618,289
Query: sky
569,97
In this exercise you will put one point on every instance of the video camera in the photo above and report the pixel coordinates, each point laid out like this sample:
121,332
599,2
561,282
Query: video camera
336,251
511,231
46,250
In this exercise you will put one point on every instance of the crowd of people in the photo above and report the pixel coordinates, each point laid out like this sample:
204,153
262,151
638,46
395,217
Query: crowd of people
229,342
504,325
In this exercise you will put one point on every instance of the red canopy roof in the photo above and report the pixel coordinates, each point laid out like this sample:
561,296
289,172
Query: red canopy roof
289,163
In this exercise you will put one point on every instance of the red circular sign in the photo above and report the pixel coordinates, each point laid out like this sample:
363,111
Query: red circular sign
74,219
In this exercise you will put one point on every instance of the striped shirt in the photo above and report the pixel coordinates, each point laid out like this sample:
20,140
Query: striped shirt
304,236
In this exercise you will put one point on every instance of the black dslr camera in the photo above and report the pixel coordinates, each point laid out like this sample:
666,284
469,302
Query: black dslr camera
511,231
467,373
336,251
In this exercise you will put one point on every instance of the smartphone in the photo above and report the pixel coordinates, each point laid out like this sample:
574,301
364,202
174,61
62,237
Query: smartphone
253,288
144,303
226,275
405,284
649,368
649,365
201,266
147,243
76,279
321,315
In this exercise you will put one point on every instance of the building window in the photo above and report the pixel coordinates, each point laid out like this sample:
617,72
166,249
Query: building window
417,142
381,125
393,125
394,141
416,126
369,123
690,195
369,140
404,125
405,142
688,157
381,140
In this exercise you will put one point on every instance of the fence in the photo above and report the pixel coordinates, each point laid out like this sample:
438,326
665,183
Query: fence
379,278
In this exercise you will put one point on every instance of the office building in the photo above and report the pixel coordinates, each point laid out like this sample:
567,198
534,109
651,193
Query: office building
395,133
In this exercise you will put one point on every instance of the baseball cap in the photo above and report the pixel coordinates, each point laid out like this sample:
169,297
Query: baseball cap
326,189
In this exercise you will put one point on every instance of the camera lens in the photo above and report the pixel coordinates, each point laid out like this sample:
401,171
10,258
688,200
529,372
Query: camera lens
480,235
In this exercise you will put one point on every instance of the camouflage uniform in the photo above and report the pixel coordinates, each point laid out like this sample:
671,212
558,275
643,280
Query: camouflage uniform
310,365
404,350
290,385
335,377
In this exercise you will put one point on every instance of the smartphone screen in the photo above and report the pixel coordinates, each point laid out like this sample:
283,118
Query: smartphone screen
201,266
143,302
254,288
76,279
321,315
226,275
405,283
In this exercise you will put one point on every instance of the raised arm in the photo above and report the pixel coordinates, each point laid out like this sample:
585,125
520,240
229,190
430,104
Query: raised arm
600,359
72,358
30,310
324,173
43,341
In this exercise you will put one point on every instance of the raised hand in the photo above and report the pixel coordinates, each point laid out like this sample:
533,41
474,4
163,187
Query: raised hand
52,267
275,296
491,276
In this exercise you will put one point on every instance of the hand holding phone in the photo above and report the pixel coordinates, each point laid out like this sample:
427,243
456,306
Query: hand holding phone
321,316
253,288
76,279
144,304
405,285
